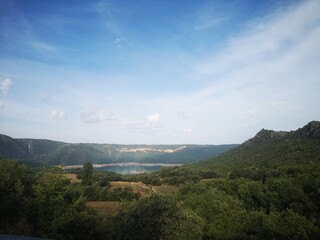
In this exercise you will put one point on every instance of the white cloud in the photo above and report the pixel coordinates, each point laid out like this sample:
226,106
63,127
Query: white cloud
188,130
95,116
154,118
266,39
266,78
58,115
5,86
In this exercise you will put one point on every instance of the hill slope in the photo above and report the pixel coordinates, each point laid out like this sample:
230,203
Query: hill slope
53,153
269,149
35,150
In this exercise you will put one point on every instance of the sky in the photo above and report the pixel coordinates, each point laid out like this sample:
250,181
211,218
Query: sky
157,71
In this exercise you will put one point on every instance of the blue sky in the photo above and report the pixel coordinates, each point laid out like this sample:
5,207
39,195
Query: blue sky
157,72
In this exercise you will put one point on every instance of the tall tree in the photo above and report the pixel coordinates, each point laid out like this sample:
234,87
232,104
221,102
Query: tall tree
87,171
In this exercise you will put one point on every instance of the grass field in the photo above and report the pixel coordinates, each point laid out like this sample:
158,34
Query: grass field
167,189
137,187
143,188
72,177
105,208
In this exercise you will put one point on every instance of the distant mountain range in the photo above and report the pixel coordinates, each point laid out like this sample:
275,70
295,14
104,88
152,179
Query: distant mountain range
57,153
269,149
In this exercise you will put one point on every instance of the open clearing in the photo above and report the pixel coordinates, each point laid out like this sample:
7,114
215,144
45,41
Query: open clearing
165,189
143,188
105,208
72,177
137,187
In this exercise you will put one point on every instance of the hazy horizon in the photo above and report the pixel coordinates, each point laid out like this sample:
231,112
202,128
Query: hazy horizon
157,72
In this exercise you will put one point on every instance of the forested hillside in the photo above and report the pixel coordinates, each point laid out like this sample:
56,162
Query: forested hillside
60,153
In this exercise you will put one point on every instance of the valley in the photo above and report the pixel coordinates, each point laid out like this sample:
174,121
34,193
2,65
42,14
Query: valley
61,153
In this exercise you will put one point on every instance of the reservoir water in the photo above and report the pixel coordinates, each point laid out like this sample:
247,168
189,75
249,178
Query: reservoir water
125,170
128,168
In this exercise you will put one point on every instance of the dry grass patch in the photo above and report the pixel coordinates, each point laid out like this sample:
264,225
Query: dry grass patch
104,208
167,189
137,187
143,188
72,177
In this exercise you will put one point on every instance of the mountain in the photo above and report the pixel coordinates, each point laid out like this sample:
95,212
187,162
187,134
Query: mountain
162,153
55,153
310,131
269,149
76,154
35,150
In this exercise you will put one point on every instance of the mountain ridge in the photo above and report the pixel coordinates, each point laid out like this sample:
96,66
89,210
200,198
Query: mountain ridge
270,149
55,153
311,130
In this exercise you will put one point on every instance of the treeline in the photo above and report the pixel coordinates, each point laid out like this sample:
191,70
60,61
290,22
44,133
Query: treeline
251,202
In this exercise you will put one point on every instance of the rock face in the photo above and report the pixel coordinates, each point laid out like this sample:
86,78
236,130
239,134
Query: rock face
311,130
271,135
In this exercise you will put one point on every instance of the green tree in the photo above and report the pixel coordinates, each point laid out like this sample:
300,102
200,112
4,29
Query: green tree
157,217
50,201
15,197
290,225
223,214
87,172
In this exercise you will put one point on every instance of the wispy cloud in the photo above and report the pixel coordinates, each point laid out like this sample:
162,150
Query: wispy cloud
262,78
5,86
209,22
266,39
19,35
95,116
42,46
57,115
209,17
111,15
132,124
151,125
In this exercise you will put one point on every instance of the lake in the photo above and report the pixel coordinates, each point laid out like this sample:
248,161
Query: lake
128,168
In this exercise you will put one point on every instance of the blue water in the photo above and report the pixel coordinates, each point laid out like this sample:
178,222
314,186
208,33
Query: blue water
125,170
